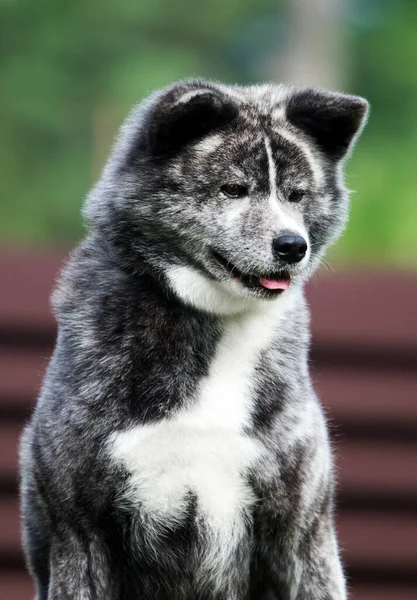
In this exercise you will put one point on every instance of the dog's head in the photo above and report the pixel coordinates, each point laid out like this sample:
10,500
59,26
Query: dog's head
229,192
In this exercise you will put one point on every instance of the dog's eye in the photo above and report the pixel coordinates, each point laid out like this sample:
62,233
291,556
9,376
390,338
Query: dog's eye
296,195
234,190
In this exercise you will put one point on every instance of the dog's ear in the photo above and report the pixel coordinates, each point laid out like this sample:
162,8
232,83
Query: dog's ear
184,114
333,120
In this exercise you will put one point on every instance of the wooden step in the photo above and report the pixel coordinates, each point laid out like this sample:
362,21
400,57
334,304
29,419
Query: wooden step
349,395
21,373
385,398
10,541
368,539
363,466
376,467
380,592
16,585
344,306
364,309
378,539
10,433
27,281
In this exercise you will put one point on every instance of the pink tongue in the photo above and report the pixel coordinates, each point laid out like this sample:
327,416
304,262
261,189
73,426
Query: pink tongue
274,284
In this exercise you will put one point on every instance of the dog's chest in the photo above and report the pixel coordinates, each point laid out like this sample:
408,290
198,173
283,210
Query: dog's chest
203,451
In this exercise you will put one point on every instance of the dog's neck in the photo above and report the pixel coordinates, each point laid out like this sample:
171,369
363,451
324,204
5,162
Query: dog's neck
198,291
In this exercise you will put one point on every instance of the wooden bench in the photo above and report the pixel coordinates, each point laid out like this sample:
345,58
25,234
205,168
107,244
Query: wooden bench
364,365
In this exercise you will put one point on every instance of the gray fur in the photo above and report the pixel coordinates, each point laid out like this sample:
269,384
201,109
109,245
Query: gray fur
178,450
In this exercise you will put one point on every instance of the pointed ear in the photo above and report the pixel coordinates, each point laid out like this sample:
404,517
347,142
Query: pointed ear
185,114
333,120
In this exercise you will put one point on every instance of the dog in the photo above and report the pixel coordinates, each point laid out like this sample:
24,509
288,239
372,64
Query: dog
178,450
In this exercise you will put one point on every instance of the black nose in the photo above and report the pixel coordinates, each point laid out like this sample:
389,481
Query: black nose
291,248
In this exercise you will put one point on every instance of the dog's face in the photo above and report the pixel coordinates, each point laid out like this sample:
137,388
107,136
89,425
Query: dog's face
236,187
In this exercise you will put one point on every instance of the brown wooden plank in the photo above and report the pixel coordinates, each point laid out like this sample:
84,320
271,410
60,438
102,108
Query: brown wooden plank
382,592
9,445
27,279
347,308
16,586
367,308
10,543
348,395
21,373
366,539
364,466
386,397
376,467
378,539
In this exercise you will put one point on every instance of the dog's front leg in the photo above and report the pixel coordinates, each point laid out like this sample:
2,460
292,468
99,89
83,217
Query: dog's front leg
297,564
316,571
79,569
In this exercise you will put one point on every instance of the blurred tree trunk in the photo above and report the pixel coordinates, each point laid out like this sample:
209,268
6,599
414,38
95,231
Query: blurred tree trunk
316,52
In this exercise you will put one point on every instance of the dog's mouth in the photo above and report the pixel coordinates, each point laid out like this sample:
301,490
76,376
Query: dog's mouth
270,284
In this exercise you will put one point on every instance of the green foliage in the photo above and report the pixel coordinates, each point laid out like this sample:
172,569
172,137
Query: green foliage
383,224
70,71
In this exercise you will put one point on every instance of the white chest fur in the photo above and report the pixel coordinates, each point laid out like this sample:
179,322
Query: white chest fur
203,449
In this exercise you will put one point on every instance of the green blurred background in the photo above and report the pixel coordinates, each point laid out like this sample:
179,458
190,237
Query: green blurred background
70,71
